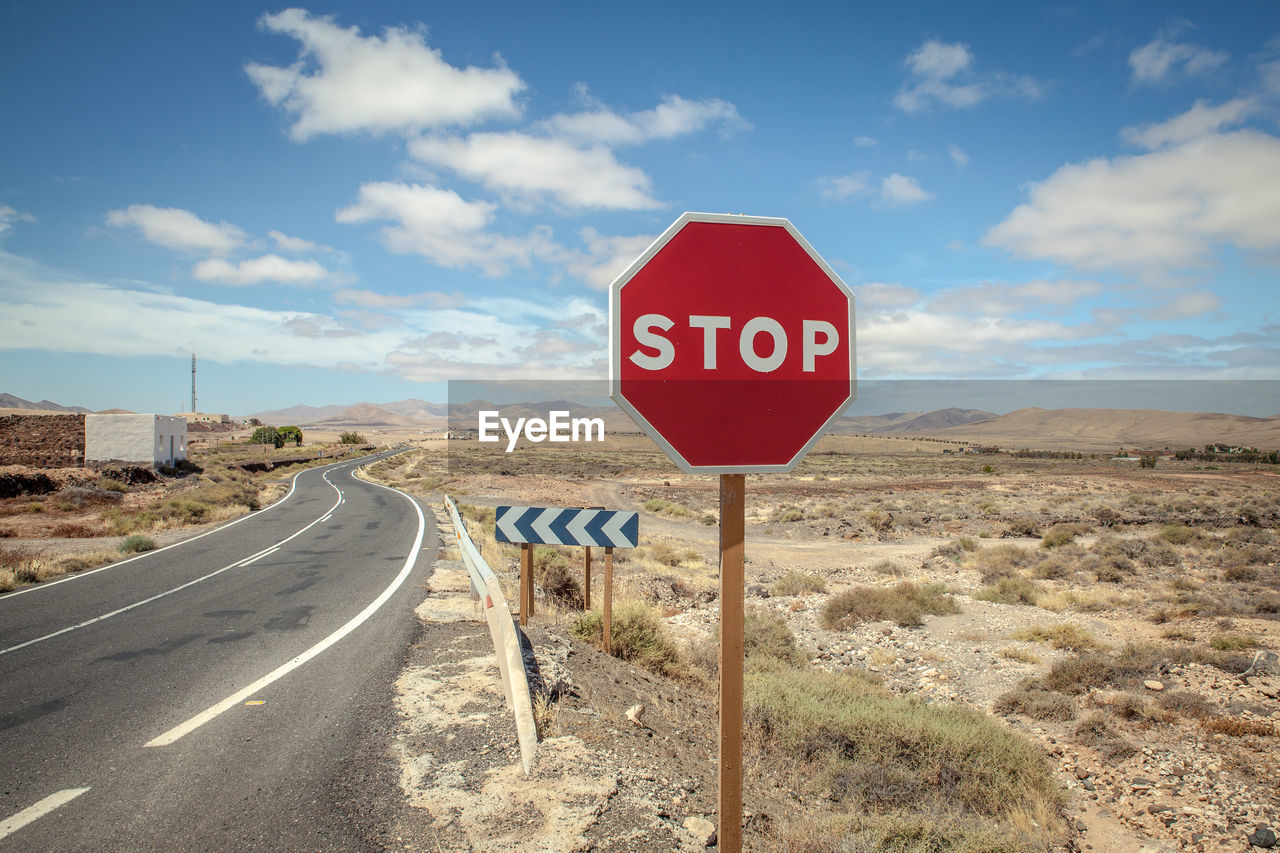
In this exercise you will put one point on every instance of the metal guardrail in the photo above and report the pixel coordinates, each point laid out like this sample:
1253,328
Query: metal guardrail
506,638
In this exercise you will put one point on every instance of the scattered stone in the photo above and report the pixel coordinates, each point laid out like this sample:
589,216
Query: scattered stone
1264,837
634,713
702,829
1153,685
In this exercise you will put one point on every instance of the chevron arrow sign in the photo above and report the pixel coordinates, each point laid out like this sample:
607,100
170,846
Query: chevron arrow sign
594,528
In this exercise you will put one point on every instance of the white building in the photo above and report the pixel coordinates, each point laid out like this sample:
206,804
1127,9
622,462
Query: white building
152,440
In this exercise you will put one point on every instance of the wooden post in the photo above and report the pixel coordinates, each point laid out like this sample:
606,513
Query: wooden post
608,600
526,582
586,580
733,488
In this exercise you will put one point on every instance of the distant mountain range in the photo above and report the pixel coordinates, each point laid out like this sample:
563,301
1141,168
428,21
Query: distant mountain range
8,401
1080,429
911,422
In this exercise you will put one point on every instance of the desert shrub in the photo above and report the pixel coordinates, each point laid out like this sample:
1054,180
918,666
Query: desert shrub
906,604
1251,535
662,506
112,485
136,544
665,553
1179,534
888,567
1022,527
72,530
881,752
798,583
1020,655
1226,643
1127,668
950,550
1235,727
184,510
901,833
552,571
878,519
1062,534
1002,561
1240,573
766,634
1184,703
1036,704
1094,731
1105,515
1061,636
351,438
1114,569
1010,589
636,635
1053,567
35,506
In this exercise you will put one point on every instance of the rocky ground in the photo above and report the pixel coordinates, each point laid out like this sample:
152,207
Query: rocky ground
1181,759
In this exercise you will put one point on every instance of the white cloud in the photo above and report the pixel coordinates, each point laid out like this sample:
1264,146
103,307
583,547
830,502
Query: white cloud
1186,305
531,169
295,244
675,116
175,228
8,216
346,83
901,190
1161,211
45,310
958,155
443,227
1001,299
1199,121
875,294
942,73
864,141
448,230
845,186
371,299
258,270
604,258
1159,59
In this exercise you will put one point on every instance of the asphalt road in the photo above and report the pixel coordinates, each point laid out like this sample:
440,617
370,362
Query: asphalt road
209,696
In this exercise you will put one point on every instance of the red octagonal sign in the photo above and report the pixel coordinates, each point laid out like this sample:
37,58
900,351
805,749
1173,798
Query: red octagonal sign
732,343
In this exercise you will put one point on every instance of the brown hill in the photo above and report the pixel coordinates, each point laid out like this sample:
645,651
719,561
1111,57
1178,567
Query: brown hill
9,401
915,423
1110,429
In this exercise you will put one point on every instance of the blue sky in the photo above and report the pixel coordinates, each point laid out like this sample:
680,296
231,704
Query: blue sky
360,202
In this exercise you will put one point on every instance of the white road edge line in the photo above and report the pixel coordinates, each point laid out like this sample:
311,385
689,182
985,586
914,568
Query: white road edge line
292,487
33,813
183,729
243,562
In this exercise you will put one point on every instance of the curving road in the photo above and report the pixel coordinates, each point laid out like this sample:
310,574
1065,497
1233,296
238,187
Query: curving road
208,695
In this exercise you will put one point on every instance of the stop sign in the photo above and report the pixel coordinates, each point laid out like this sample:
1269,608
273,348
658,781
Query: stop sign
732,343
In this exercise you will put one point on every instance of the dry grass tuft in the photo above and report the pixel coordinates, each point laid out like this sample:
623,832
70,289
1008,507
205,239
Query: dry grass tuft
906,604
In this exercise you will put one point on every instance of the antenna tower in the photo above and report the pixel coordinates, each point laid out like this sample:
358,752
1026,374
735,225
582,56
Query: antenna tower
193,383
